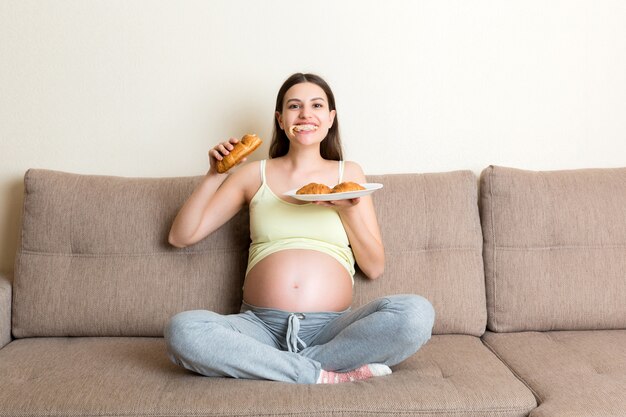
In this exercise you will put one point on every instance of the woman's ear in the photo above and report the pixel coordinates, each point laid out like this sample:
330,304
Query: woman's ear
332,117
279,119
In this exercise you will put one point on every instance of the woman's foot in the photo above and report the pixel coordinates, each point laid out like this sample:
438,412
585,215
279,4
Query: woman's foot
359,374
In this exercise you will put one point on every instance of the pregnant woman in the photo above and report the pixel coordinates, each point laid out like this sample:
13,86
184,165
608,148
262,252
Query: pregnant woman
296,324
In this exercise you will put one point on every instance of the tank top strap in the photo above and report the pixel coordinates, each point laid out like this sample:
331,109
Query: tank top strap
341,171
263,179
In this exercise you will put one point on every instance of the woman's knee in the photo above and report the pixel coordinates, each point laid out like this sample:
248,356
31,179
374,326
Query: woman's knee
418,316
184,328
420,307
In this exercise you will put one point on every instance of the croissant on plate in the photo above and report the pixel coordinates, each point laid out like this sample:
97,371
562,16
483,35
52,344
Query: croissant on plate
347,186
314,188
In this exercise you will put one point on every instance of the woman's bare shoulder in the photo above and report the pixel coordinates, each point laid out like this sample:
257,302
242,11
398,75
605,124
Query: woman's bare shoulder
353,171
246,177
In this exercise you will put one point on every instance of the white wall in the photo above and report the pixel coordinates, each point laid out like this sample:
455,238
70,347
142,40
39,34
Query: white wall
145,88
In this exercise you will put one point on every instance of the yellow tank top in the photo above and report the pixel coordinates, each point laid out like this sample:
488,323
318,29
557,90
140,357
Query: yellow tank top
276,224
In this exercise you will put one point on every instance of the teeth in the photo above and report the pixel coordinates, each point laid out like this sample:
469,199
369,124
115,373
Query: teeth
303,128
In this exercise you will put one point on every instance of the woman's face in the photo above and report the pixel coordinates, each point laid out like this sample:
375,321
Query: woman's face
306,116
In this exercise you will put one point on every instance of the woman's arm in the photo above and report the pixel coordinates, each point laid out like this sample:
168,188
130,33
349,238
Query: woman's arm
359,219
214,201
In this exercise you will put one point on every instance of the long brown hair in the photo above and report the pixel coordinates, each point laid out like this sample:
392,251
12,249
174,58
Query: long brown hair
330,147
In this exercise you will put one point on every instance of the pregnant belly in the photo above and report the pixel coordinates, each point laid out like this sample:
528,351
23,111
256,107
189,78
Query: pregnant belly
299,281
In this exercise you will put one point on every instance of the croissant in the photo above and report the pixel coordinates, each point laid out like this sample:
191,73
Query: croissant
347,186
314,188
248,144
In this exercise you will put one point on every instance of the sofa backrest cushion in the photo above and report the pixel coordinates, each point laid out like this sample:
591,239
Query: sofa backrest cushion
554,248
94,258
433,247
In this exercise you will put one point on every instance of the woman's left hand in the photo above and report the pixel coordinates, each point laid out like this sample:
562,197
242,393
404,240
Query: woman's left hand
339,204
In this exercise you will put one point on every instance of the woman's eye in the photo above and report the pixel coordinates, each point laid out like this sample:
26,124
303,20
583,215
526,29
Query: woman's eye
293,106
318,105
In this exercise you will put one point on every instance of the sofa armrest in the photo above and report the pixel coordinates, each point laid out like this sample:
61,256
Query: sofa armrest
5,310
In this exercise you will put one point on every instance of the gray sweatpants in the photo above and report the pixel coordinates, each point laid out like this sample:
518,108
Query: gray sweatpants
261,343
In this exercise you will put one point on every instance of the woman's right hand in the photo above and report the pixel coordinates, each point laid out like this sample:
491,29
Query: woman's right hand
210,205
219,151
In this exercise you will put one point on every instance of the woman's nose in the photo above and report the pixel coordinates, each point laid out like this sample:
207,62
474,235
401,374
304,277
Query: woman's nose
304,112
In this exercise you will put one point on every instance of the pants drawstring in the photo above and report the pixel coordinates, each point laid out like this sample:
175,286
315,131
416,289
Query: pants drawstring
293,329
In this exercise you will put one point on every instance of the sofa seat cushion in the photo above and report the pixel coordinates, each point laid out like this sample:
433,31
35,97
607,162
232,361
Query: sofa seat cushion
452,375
572,373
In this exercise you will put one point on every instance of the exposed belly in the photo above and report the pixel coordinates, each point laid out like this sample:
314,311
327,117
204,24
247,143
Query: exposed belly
299,281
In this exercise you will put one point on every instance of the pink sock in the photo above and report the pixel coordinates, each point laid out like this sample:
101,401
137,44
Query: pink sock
364,372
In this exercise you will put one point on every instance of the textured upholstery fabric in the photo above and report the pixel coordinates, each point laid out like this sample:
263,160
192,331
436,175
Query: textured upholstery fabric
572,373
433,247
5,310
554,248
94,258
451,375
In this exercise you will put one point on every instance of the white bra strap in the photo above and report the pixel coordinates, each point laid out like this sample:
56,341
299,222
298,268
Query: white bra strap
263,170
340,171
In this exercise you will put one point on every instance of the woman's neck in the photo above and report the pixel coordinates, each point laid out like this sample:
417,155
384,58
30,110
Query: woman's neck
304,159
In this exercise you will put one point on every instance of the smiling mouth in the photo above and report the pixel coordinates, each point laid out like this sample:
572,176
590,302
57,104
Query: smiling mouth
303,128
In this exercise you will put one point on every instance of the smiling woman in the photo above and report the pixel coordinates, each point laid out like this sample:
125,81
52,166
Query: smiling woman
330,147
305,115
297,292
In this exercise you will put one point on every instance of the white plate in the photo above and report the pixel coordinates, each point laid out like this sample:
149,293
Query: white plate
369,189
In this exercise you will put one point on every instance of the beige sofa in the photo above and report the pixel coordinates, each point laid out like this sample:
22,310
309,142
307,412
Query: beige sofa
95,281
